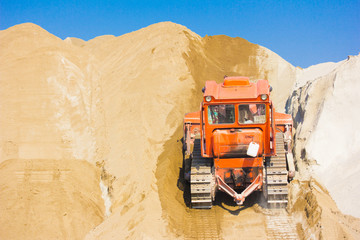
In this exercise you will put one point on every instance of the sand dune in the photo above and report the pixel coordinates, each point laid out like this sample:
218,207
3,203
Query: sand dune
118,104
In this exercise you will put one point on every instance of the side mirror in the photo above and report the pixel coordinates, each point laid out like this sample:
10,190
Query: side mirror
270,88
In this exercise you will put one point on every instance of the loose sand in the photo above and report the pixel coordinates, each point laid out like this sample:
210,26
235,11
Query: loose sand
90,137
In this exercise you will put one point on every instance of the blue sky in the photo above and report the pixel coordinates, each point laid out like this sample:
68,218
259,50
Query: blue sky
302,32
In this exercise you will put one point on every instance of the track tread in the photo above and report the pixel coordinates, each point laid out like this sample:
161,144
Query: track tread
277,176
201,179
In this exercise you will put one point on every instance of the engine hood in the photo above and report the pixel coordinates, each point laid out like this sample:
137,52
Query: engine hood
234,143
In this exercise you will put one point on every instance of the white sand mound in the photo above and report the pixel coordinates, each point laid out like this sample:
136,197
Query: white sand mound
313,72
326,111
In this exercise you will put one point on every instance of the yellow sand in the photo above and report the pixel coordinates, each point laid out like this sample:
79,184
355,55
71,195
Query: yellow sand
118,104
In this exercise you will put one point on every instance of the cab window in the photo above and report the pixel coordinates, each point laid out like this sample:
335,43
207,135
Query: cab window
221,114
252,113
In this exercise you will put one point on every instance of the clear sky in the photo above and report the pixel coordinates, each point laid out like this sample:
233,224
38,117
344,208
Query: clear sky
302,32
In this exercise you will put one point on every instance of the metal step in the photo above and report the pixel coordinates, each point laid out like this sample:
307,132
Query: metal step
274,192
202,201
278,187
277,179
283,165
278,158
200,188
200,170
278,201
200,178
278,171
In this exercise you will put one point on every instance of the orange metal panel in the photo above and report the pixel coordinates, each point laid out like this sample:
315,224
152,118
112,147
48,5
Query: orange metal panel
236,88
234,143
236,81
282,118
193,117
238,162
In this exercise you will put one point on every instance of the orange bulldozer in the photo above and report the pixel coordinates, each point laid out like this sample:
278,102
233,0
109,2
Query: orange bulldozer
238,144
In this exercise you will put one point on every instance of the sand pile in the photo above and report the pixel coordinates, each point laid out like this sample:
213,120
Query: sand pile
109,111
151,77
325,109
49,126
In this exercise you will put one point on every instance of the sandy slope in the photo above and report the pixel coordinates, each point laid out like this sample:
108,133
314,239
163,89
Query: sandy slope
118,103
49,126
327,130
49,199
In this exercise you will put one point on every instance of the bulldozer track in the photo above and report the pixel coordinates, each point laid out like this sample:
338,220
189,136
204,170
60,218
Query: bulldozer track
202,225
202,180
277,176
279,225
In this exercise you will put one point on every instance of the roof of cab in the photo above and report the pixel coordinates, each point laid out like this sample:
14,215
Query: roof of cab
236,88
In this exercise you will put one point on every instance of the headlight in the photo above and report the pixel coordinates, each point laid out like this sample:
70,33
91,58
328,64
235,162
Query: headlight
263,97
208,98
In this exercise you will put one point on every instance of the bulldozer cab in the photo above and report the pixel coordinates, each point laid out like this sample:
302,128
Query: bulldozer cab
234,114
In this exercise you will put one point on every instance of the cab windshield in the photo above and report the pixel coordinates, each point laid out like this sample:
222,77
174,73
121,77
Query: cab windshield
221,114
252,113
